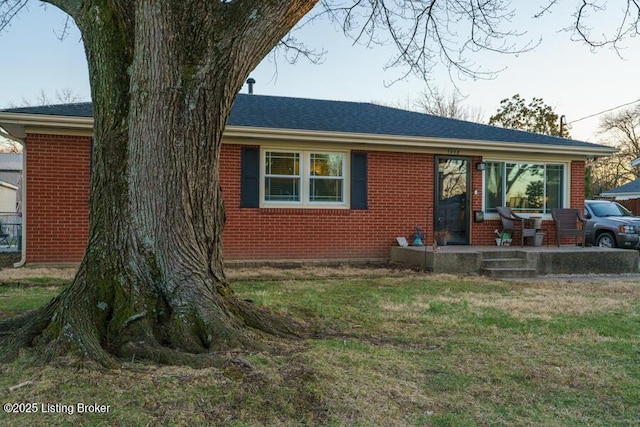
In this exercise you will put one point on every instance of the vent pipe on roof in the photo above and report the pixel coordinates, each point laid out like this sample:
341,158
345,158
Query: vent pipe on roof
251,81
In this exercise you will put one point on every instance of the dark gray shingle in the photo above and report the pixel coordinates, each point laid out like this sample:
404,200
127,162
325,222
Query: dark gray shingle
341,116
629,187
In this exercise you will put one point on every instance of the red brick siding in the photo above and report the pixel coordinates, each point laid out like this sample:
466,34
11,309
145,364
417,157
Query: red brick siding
577,184
57,197
479,236
400,196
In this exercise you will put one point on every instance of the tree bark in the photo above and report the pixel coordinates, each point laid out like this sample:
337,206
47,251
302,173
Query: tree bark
164,75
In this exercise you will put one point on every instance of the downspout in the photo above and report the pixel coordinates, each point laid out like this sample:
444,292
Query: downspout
23,196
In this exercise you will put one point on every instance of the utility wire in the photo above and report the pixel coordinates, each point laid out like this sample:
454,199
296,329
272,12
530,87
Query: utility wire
602,112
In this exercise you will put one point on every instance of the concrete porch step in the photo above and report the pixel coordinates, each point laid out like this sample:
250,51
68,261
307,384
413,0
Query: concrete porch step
546,260
509,272
503,264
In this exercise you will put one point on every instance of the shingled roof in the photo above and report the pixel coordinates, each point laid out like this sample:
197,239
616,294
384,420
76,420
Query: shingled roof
632,187
275,112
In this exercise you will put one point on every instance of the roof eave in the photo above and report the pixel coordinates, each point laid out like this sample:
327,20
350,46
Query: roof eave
245,132
17,124
622,194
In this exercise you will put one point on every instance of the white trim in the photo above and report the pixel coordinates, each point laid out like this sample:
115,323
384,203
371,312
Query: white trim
411,141
7,185
305,178
566,187
26,122
622,196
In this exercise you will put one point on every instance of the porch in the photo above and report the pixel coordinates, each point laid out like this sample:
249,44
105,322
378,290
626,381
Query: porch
515,261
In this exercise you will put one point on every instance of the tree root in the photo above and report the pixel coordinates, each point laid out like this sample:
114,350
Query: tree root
109,331
155,353
20,332
266,321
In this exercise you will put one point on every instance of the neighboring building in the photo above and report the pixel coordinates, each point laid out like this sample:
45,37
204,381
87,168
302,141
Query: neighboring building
8,198
320,180
11,168
630,190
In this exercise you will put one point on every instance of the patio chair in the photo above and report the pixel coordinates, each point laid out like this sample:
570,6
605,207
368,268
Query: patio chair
512,222
566,222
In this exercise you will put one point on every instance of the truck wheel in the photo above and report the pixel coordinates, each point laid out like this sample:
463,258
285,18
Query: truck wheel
606,240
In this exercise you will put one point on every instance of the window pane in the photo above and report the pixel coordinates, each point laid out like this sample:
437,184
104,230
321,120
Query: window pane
493,186
282,189
282,163
525,187
325,177
555,186
325,190
326,164
282,177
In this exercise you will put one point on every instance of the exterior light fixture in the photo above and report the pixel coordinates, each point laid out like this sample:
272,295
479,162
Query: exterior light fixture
480,166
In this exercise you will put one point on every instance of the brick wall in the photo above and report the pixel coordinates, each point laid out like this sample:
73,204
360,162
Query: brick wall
577,184
400,196
57,198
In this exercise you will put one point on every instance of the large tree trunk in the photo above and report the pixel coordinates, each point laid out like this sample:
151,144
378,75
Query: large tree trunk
164,75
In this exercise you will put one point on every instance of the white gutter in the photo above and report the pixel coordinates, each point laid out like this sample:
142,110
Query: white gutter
7,185
46,121
25,120
243,132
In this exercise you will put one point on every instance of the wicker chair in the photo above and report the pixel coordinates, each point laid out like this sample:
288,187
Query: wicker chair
512,222
566,221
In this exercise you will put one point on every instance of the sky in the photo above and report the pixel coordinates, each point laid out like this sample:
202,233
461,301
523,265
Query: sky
569,76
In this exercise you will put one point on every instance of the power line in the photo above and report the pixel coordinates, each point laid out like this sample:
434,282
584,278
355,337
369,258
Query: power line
602,112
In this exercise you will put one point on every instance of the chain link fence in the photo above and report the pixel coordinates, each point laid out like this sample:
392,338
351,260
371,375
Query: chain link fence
10,232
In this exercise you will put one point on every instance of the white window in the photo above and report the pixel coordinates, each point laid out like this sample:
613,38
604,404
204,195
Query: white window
282,177
303,178
524,187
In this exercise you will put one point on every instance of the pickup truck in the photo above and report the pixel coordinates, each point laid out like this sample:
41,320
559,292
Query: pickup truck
610,225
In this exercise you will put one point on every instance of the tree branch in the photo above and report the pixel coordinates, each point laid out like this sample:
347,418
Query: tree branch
8,10
628,24
428,32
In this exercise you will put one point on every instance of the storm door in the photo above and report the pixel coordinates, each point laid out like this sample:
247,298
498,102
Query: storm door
451,199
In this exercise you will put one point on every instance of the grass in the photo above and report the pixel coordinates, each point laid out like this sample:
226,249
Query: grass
18,297
403,350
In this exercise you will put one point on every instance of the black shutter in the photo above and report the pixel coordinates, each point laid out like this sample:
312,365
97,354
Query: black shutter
358,180
250,171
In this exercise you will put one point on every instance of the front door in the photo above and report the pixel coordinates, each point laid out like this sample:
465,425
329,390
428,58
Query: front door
452,201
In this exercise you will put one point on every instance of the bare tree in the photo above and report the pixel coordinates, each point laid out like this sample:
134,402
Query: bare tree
441,104
63,96
164,75
607,173
620,130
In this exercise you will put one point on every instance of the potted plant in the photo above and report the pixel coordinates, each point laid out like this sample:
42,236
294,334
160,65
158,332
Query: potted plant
503,239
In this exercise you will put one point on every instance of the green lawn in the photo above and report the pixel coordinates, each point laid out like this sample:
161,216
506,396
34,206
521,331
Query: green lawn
401,350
